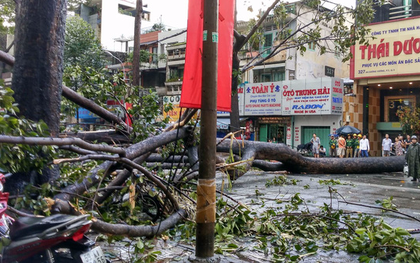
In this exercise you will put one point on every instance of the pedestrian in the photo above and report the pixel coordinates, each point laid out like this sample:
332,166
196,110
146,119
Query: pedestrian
274,140
322,151
406,142
386,145
412,159
316,142
398,147
341,146
333,146
349,146
364,146
356,142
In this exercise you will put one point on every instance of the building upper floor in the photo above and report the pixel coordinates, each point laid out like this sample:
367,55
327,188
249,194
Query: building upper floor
395,9
112,21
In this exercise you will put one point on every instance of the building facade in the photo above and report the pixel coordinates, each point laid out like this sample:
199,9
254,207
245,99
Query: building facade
296,117
113,22
385,73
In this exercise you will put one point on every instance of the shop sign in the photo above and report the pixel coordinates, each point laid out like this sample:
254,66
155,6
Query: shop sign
262,99
285,120
394,49
312,97
174,113
337,96
297,132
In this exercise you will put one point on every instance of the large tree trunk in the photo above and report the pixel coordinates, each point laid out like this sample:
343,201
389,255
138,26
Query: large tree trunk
294,162
38,71
37,75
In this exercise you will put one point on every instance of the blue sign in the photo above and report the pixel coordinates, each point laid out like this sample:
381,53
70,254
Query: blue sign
86,114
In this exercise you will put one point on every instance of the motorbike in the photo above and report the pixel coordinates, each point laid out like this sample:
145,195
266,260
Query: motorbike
57,238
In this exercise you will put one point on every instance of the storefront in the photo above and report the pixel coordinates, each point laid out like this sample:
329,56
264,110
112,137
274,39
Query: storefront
291,111
386,78
273,129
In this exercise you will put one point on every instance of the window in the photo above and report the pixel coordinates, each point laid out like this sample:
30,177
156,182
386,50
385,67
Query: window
393,103
311,46
155,55
269,75
126,10
268,40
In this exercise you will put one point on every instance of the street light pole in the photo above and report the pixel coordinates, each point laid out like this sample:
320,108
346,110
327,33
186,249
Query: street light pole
206,186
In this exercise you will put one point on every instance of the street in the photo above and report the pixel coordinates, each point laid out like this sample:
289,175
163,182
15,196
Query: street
365,189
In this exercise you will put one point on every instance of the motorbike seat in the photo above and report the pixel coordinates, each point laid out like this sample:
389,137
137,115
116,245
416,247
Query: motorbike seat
26,226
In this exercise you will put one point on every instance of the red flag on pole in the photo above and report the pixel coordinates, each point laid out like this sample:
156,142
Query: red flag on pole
191,85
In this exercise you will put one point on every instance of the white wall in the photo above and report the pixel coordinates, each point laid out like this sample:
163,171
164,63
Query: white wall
333,121
114,25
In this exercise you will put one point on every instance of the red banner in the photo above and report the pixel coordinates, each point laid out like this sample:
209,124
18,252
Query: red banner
191,86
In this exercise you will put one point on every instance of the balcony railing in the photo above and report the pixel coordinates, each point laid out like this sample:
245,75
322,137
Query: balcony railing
399,12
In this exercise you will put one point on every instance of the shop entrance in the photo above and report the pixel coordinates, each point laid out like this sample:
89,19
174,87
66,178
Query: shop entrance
322,132
268,132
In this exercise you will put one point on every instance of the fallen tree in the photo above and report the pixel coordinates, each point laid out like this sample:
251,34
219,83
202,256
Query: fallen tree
294,162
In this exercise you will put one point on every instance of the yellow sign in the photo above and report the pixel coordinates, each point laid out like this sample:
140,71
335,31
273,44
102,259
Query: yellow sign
173,114
394,49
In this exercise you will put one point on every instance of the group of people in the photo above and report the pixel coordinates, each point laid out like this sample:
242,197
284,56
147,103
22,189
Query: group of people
352,147
400,145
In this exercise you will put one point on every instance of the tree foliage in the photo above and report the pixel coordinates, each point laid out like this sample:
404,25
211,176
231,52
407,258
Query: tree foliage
21,158
409,119
7,16
82,48
157,27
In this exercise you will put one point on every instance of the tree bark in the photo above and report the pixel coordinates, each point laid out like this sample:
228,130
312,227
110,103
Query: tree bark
137,231
294,162
38,71
132,152
109,137
136,52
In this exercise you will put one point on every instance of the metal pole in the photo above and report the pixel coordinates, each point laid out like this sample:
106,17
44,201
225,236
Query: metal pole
206,186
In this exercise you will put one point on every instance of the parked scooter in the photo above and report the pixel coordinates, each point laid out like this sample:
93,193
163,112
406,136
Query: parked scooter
56,238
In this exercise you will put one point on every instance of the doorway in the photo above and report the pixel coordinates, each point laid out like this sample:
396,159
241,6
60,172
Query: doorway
270,132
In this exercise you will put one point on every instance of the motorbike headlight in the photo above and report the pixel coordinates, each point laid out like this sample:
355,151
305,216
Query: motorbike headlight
1,187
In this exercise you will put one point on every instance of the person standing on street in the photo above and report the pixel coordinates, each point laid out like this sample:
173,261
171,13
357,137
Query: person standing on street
412,159
341,146
333,146
364,146
356,142
398,147
316,142
349,146
406,143
386,145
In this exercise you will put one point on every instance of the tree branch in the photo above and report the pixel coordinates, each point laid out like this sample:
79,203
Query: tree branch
60,142
78,99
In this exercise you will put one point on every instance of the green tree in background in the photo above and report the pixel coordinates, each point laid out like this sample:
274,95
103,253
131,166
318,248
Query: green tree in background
409,119
7,16
157,27
82,48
